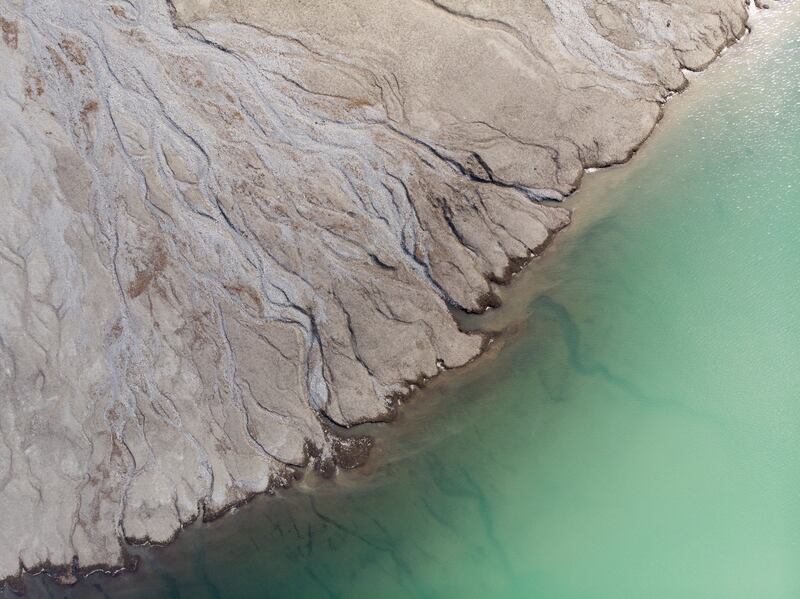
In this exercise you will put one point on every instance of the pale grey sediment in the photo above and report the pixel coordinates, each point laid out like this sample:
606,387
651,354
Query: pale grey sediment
226,223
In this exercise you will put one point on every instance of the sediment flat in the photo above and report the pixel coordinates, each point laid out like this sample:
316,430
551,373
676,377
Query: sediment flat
232,228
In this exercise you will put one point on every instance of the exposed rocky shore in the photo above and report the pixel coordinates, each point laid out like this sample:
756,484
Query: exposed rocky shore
231,227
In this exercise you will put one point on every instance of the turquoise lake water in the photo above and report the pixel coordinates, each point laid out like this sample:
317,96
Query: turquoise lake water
634,434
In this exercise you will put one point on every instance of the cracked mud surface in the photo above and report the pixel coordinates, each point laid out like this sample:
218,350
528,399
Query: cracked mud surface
229,227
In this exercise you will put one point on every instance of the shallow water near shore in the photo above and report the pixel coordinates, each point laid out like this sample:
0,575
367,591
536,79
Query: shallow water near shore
636,431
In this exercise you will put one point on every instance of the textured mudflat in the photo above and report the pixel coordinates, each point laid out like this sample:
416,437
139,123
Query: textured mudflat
227,226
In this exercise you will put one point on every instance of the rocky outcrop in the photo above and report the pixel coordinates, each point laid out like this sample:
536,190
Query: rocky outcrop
231,227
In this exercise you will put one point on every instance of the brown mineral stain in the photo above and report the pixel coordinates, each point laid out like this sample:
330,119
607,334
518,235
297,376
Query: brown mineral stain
73,51
35,86
88,108
116,330
246,293
143,278
358,103
59,63
10,33
136,34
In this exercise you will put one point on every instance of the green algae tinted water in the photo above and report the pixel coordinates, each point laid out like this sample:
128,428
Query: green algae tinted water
638,435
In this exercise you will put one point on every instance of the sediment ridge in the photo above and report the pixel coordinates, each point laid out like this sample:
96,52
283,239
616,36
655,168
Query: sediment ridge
232,228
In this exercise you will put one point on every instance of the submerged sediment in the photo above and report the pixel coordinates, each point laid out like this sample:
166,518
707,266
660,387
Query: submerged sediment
232,227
